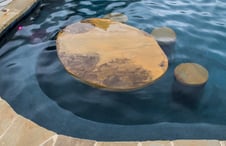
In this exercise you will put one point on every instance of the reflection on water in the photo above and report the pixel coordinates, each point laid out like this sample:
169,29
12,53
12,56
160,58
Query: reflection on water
36,85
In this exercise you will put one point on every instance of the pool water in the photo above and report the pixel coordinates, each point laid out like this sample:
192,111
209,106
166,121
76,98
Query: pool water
36,85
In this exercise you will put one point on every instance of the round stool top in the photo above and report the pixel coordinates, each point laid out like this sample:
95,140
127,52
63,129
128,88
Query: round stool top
119,17
164,35
110,55
191,74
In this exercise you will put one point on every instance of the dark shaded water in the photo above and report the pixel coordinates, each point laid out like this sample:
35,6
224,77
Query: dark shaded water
36,85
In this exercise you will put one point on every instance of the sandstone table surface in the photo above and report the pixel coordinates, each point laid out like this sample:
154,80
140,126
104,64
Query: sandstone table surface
110,55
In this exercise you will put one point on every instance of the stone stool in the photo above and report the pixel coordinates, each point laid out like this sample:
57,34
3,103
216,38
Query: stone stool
110,55
190,80
166,38
118,17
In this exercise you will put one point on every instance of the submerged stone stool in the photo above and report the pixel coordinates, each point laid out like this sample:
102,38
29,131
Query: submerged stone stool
166,38
119,17
190,80
191,74
110,55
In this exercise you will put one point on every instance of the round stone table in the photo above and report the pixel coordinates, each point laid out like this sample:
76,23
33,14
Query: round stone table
110,55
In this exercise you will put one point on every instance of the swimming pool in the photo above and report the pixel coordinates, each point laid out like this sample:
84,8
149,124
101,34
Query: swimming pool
36,85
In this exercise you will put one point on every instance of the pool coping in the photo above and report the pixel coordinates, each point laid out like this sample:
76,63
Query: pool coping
17,130
12,13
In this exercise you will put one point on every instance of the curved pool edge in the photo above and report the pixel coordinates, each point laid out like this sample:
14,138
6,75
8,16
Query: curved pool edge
19,131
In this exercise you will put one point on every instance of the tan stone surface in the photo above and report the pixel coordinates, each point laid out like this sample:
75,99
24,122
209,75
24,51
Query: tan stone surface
24,133
164,35
156,143
191,74
196,143
7,18
69,141
119,17
110,55
48,143
14,10
7,116
116,144
223,143
21,5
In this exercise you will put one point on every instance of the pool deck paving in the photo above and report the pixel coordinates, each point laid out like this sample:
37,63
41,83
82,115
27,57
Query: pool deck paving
16,130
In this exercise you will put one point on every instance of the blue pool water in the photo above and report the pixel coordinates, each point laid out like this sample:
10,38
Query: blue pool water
35,84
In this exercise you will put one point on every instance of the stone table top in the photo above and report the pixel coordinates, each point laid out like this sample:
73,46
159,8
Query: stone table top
110,55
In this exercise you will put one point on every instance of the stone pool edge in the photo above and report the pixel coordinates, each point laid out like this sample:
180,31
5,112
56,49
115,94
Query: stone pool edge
19,131
14,12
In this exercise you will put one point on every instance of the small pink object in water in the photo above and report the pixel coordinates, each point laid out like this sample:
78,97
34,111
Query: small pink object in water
20,27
